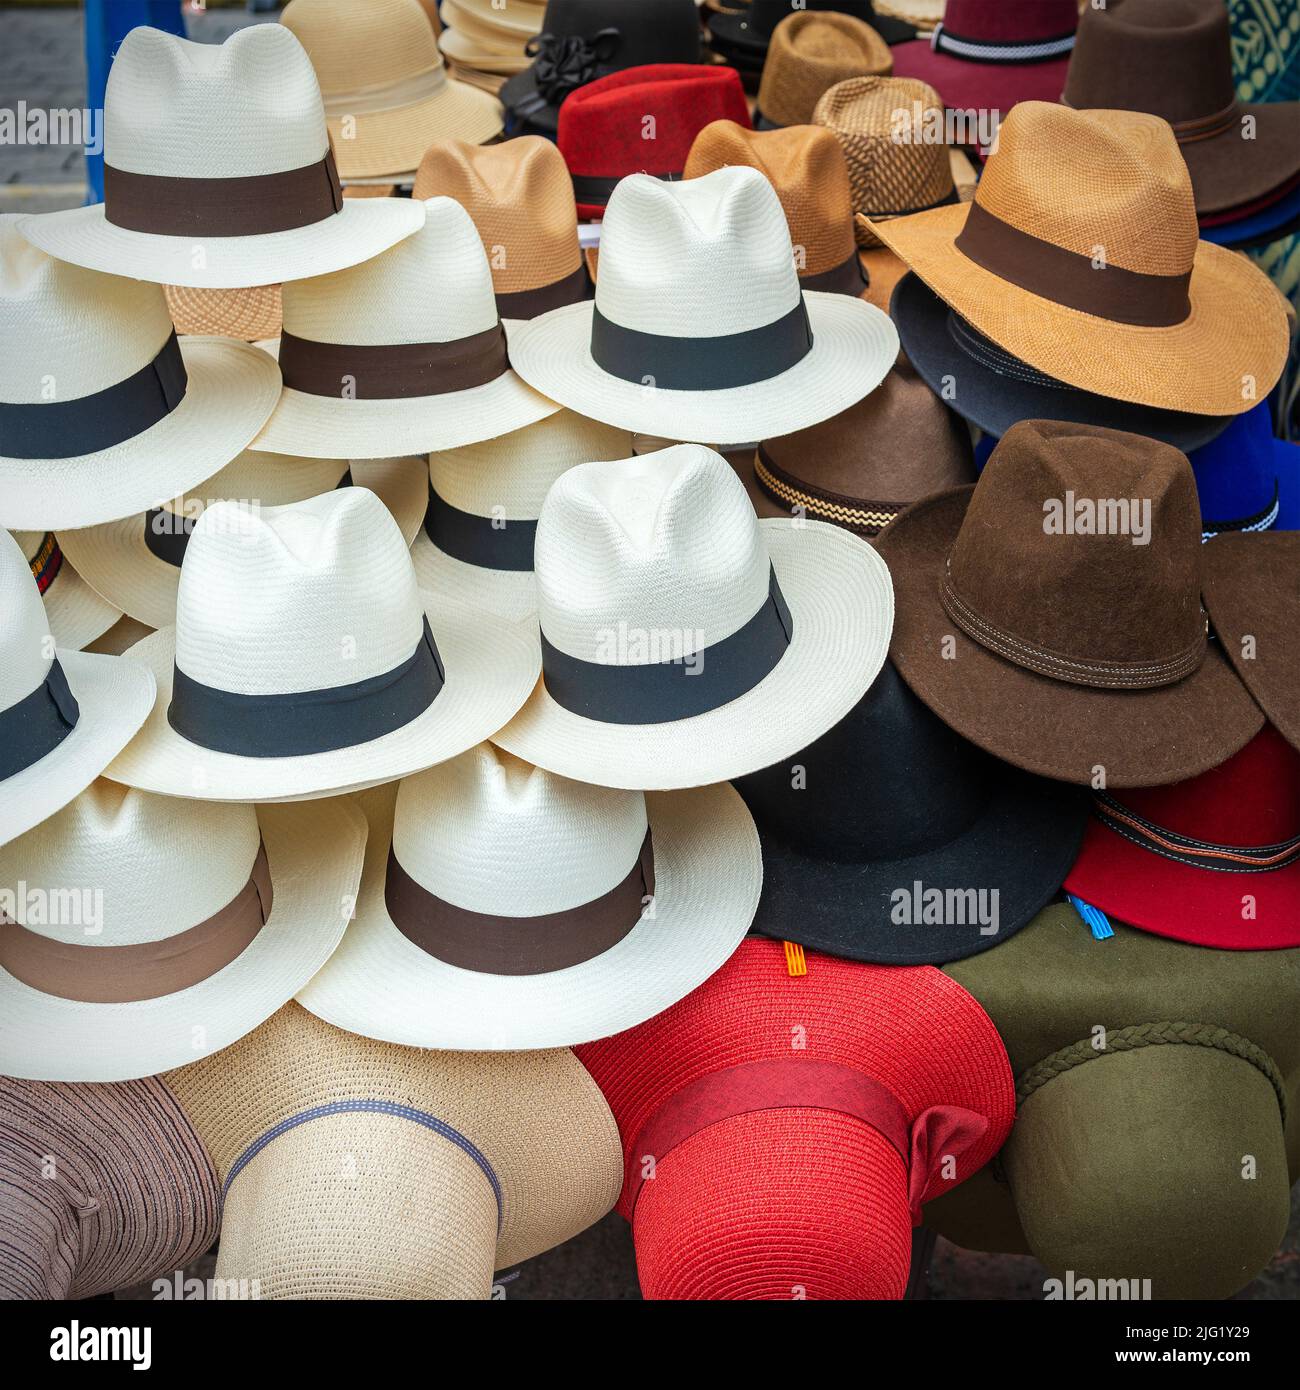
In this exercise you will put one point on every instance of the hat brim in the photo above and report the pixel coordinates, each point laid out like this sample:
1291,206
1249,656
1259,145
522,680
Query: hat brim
1236,327
1020,848
390,142
708,872
232,389
995,402
471,52
115,560
361,230
841,602
1228,169
854,346
965,85
510,593
1143,738
734,31
314,856
491,666
114,698
76,613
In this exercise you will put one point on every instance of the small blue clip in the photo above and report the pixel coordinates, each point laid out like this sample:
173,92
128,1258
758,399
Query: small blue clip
1094,917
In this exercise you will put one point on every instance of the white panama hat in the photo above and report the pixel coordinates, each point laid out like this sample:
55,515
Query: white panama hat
103,410
699,329
218,172
476,545
305,660
684,641
151,933
504,907
77,614
136,561
404,354
64,714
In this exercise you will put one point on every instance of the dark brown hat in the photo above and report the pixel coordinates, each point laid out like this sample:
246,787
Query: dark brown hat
1052,613
862,467
1173,58
1252,589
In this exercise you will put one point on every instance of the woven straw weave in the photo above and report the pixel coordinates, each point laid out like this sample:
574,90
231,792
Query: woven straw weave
810,52
251,315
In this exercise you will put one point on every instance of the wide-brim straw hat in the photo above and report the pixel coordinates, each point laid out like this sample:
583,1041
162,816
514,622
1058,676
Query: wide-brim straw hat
925,14
125,841
355,1169
699,285
136,562
1114,1044
477,60
76,613
1190,321
250,315
812,50
189,167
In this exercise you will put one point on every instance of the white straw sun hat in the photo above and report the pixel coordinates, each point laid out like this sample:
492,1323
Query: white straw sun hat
305,660
63,714
76,613
151,933
699,329
218,172
505,907
683,640
401,355
484,501
103,411
136,561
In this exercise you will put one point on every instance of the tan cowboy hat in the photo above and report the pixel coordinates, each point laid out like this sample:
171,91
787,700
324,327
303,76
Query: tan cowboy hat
77,614
356,1169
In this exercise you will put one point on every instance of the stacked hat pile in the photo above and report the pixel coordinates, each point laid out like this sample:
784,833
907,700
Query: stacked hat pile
487,42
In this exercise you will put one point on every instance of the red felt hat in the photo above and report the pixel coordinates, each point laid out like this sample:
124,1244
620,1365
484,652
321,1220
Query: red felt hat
642,120
1214,860
990,54
781,1131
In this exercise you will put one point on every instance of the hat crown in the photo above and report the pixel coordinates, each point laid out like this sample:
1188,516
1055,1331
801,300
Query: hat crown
653,31
646,559
306,596
811,51
1138,214
177,109
1063,508
120,867
1019,21
432,287
67,332
355,46
26,647
702,258
490,833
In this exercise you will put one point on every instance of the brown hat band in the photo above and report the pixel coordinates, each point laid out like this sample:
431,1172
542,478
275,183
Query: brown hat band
393,371
1070,279
530,304
1103,675
495,945
127,974
1205,127
867,518
260,203
849,277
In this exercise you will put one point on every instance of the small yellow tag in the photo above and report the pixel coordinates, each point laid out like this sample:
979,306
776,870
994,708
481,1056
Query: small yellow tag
795,961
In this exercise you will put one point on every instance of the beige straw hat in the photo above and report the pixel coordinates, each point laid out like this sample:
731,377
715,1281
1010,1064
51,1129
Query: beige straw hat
250,314
1079,256
401,355
76,613
218,171
810,51
355,1169
136,561
476,547
506,907
925,14
305,660
384,84
146,932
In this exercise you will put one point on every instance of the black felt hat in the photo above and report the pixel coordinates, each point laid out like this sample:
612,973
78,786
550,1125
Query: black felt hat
747,33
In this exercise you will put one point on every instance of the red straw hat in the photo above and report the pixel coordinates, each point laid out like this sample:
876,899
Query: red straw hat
1214,861
780,1132
642,121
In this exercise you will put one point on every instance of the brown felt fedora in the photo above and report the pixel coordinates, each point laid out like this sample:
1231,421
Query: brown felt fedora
862,467
1252,591
810,51
1052,613
806,167
1173,58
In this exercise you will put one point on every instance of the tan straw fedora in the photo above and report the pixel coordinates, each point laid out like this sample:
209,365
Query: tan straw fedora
357,1169
810,52
251,315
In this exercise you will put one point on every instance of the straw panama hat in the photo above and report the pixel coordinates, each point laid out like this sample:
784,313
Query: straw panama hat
250,315
104,412
64,714
403,354
810,51
218,172
209,918
355,1169
699,329
305,660
386,91
684,641
476,545
76,613
1153,316
136,561
616,906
